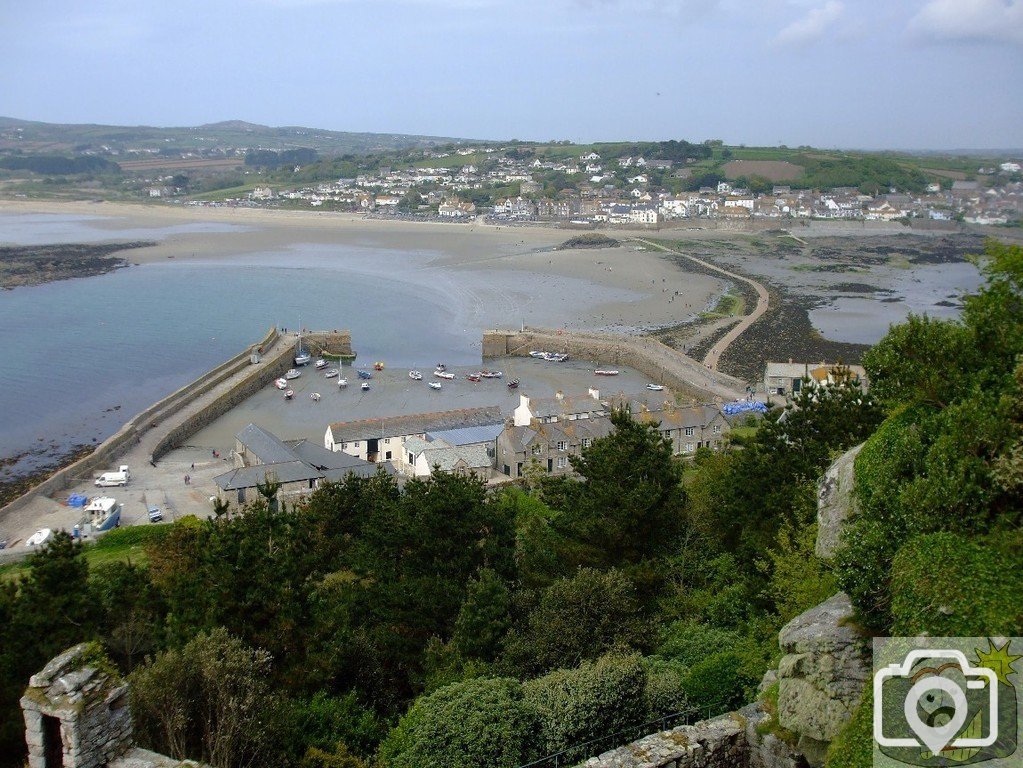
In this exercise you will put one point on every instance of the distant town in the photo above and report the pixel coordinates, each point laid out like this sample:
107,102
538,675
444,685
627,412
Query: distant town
625,190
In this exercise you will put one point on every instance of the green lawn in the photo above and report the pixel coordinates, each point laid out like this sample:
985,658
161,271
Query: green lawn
119,545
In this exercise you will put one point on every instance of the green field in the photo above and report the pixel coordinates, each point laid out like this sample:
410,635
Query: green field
120,545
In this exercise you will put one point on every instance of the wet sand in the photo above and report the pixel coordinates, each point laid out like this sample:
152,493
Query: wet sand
505,257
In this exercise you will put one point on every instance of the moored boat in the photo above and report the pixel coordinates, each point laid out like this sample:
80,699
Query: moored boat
605,372
443,374
473,377
281,383
302,357
513,384
342,383
415,375
321,363
491,374
294,373
288,394
103,513
655,387
435,385
378,366
441,367
331,373
315,397
364,374
365,386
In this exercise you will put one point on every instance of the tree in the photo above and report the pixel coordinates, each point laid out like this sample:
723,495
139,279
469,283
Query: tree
210,701
628,506
580,618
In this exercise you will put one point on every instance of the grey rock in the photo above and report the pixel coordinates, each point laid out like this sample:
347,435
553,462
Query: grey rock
822,675
836,502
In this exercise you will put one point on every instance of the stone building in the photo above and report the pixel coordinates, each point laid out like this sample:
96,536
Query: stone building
77,716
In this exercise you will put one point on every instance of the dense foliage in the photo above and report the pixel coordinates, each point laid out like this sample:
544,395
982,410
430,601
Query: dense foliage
441,623
59,165
944,462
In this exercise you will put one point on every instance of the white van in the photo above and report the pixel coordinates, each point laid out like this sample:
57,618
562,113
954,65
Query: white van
120,477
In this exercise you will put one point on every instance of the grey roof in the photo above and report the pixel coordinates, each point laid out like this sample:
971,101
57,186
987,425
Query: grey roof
249,477
553,406
474,456
268,448
415,424
291,461
467,435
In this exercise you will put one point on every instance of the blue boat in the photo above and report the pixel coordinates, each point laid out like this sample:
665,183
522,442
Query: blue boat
103,514
364,374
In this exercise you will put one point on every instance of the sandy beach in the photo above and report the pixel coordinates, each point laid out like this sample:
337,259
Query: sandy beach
654,291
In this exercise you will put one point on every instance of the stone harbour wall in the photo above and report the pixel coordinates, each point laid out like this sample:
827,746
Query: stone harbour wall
687,378
115,446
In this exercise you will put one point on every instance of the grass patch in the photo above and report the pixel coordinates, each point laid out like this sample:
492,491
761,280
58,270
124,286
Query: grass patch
119,545
769,703
729,305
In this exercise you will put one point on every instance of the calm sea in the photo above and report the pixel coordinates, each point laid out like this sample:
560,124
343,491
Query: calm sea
82,356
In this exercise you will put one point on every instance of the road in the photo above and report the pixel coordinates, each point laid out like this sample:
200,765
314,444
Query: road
714,353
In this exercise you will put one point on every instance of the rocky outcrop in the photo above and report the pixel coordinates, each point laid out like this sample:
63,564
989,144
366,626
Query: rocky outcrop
821,676
717,743
764,749
836,501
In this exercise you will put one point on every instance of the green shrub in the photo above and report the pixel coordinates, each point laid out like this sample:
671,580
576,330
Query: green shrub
717,683
595,699
476,722
663,692
687,642
945,585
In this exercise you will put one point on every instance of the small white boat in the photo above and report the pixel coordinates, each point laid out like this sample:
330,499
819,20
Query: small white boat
294,373
443,374
536,353
321,363
303,358
365,386
655,387
441,367
281,383
435,385
342,383
491,374
39,537
288,394
415,375
315,397
331,373
605,372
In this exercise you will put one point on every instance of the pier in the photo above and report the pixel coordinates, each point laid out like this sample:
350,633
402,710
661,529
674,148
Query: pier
688,378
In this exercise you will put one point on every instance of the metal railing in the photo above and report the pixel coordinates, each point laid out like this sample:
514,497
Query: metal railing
577,753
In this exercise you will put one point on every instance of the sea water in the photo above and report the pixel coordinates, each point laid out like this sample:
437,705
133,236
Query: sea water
82,356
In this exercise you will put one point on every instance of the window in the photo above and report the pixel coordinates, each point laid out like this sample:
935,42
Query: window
562,462
562,445
387,441
587,442
355,444
537,449
689,448
717,429
690,431
411,459
343,446
387,456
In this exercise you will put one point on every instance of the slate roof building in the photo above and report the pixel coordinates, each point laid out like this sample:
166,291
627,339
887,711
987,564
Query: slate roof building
298,465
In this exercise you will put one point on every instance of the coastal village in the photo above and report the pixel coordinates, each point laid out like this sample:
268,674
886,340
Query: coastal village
624,191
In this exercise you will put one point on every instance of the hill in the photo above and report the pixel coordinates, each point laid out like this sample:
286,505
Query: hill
36,137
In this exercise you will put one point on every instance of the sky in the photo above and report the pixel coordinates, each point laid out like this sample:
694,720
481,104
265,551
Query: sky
870,74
